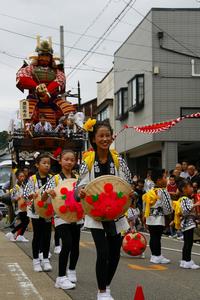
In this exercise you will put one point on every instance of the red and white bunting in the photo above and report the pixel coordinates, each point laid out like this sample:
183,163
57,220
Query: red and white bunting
159,127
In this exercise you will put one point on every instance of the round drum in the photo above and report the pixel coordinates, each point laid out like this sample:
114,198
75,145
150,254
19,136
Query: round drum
22,204
43,208
107,198
64,204
134,243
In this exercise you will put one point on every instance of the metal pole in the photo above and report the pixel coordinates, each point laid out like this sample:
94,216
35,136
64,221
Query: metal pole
62,55
79,97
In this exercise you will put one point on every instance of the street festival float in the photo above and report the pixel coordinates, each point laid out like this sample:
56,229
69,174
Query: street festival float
107,198
64,204
46,95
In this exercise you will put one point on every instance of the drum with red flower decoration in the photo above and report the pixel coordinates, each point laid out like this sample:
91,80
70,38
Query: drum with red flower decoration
22,204
43,208
64,204
107,198
134,243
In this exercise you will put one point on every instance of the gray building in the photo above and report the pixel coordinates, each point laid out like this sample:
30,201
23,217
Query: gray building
157,78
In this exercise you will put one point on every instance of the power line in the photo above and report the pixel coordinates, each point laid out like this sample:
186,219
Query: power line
102,36
90,25
89,51
11,55
154,24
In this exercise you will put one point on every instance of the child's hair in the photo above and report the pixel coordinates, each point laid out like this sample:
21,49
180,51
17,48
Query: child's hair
67,151
140,181
41,156
99,124
156,175
182,184
172,176
19,172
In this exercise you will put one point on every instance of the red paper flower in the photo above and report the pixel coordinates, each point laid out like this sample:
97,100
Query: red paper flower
64,191
23,205
57,152
63,209
108,187
40,203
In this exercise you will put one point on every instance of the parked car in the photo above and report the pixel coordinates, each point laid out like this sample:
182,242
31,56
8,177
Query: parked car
3,209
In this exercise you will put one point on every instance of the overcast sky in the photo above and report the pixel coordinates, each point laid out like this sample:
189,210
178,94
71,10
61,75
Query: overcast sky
84,22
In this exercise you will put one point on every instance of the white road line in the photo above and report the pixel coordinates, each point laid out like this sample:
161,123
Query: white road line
178,250
26,286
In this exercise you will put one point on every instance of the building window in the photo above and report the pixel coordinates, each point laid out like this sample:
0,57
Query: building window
104,114
136,86
122,103
184,111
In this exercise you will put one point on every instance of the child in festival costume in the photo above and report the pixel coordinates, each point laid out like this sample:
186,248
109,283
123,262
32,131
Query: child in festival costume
157,204
69,233
106,235
41,226
16,195
185,219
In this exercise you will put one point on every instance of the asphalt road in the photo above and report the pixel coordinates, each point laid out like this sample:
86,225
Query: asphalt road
159,282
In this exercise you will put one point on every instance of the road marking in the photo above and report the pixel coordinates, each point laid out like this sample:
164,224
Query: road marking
84,245
26,286
178,250
148,268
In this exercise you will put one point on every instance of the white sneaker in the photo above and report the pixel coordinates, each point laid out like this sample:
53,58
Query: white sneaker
41,255
71,275
21,238
108,290
104,296
36,265
64,283
155,259
189,265
164,260
10,236
182,263
46,266
57,250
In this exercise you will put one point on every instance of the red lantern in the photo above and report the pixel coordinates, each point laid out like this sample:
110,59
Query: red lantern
134,243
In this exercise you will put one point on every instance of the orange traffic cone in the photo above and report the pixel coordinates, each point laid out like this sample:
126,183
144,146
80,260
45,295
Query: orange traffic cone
139,295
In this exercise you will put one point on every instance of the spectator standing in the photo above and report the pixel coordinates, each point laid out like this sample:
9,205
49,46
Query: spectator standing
148,182
184,173
193,174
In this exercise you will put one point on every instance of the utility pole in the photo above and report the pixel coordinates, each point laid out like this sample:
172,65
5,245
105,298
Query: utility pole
79,97
62,55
